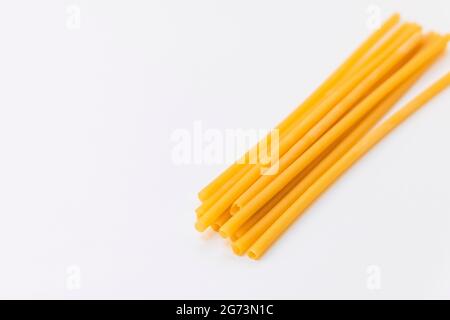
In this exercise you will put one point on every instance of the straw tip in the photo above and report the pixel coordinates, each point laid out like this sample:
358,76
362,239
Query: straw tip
395,16
223,233
200,227
237,249
234,208
201,196
199,212
252,255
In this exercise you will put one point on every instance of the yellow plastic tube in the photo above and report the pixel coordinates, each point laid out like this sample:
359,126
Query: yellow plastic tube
246,239
310,101
331,175
326,140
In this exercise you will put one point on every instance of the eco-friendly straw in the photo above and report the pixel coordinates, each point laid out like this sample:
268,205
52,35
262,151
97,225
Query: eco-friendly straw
286,142
321,139
340,128
252,234
311,100
363,88
355,153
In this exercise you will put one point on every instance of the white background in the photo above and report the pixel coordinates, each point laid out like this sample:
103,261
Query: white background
88,186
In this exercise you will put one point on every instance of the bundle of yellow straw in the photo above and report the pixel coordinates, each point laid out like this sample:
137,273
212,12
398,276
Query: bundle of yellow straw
322,138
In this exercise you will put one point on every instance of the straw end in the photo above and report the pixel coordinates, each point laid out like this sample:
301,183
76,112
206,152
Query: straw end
200,227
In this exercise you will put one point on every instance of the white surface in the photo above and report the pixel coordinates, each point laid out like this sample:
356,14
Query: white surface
87,182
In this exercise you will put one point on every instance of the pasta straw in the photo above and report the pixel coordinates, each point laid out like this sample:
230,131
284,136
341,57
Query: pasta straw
326,140
335,114
222,219
309,102
370,60
220,191
273,202
331,130
341,127
300,129
405,30
268,206
331,175
248,238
